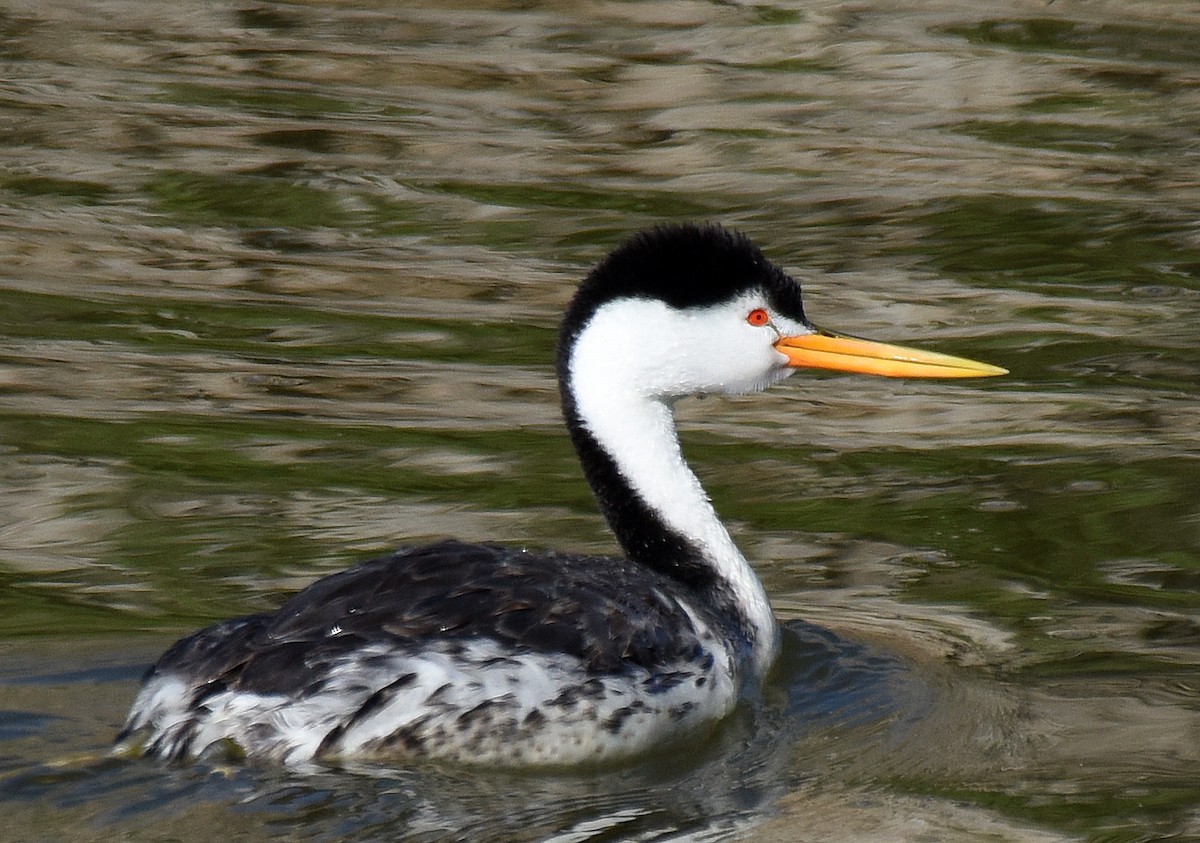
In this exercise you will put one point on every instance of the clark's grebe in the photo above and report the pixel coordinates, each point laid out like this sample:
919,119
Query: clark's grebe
486,654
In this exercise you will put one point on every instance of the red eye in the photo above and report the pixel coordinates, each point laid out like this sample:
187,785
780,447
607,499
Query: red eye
758,317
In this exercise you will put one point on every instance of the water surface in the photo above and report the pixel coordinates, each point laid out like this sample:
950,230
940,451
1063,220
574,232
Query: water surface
280,288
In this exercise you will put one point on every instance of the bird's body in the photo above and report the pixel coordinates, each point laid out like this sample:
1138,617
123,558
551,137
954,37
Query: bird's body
482,654
455,651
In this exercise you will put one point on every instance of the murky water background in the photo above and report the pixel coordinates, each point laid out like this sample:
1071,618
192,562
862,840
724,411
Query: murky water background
279,290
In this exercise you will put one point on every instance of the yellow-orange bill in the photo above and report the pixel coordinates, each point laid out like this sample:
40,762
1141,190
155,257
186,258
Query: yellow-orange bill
823,350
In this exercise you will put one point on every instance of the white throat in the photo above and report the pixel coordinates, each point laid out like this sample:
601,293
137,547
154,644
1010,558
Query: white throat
626,402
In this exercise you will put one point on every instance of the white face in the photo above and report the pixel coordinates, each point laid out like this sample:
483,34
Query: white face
648,347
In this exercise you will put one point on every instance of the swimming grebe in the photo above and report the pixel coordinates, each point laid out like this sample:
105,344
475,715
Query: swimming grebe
485,654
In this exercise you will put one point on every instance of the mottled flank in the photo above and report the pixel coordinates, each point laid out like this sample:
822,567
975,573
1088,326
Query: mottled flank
468,652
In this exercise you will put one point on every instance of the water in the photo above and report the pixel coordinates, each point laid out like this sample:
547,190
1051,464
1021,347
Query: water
279,291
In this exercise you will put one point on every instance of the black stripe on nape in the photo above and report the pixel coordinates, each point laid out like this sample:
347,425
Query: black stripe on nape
639,530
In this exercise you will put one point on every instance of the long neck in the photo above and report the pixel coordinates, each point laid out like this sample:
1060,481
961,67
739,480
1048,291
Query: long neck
629,449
